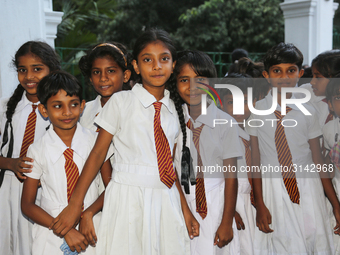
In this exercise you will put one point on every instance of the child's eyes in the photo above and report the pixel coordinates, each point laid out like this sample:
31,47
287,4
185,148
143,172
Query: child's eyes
111,71
276,70
95,72
184,80
336,98
21,70
147,60
37,69
230,102
166,58
292,70
75,104
57,106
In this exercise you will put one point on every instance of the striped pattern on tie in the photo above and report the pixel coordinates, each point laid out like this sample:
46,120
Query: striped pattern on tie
201,201
285,159
72,172
165,165
29,132
248,161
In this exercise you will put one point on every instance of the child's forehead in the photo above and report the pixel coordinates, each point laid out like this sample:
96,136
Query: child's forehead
284,65
62,95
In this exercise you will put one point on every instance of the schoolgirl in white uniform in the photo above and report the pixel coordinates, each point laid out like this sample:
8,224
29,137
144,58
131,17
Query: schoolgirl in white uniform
219,145
33,61
144,212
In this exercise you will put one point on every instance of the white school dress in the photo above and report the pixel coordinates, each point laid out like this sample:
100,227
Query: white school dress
15,228
92,109
49,168
321,108
243,205
298,228
141,215
331,135
216,143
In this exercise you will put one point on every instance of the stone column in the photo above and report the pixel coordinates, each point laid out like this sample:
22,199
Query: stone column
309,25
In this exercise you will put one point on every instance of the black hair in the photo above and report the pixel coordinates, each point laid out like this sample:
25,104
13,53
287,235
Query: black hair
48,57
242,81
333,87
328,63
101,50
150,36
199,61
51,84
281,54
237,54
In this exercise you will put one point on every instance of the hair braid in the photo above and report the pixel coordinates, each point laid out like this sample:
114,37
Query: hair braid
13,101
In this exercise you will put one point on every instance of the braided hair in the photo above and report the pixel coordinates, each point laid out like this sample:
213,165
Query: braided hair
50,58
114,50
146,38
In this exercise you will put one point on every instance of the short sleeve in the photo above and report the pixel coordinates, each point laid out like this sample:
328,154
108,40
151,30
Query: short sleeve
252,125
109,117
37,170
231,141
314,129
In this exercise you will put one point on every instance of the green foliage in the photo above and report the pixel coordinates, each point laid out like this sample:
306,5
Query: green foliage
219,25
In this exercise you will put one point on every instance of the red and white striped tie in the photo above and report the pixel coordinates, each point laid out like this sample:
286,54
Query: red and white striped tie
29,132
248,161
166,170
72,172
201,201
285,159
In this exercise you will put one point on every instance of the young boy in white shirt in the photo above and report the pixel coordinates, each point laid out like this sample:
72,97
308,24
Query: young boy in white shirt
289,198
59,157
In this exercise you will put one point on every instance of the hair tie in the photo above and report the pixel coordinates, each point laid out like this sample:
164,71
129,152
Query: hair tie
113,46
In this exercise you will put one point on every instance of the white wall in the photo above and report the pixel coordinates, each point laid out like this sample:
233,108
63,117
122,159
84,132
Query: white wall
309,25
21,21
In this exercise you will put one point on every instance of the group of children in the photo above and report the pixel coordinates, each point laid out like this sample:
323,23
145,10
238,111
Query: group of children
124,173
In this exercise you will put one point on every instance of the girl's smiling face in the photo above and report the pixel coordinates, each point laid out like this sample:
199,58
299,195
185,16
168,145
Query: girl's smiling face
154,64
188,87
30,71
319,82
107,76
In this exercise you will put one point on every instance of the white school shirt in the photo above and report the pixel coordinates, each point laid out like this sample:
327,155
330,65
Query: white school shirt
92,109
127,117
298,228
321,108
49,168
15,228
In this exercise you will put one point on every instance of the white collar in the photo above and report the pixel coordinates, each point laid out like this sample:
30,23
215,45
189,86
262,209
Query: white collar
269,101
207,119
147,99
24,102
57,147
243,134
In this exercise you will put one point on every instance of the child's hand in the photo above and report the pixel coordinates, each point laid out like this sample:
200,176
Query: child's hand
65,221
336,213
87,229
263,219
76,241
223,236
239,221
20,167
192,224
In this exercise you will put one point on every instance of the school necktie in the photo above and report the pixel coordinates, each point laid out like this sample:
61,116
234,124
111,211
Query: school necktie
29,132
248,161
330,115
165,165
285,159
72,172
201,201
